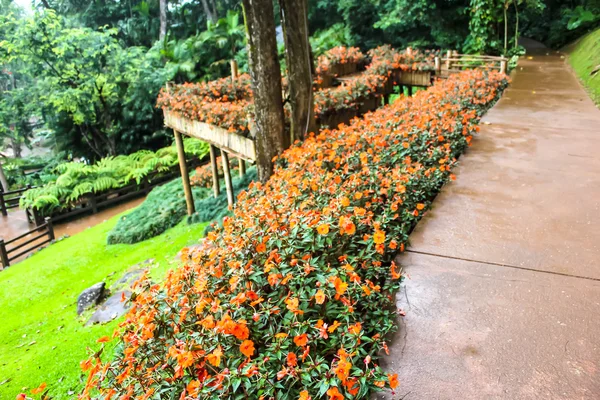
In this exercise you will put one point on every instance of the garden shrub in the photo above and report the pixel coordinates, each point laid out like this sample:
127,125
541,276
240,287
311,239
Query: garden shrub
294,296
165,207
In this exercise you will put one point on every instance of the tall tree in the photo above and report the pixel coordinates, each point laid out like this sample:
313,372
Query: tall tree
210,8
266,83
163,19
294,14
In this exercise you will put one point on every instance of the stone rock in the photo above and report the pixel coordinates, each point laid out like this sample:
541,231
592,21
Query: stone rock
90,297
112,308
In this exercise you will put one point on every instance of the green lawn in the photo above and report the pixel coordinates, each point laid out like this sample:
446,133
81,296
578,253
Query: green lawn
41,337
584,58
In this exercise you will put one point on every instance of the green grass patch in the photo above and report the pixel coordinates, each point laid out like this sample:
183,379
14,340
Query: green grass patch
584,58
41,337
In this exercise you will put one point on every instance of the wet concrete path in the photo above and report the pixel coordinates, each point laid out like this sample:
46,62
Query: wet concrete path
503,291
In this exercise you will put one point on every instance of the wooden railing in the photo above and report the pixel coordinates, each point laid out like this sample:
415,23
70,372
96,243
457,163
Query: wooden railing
20,243
455,62
11,199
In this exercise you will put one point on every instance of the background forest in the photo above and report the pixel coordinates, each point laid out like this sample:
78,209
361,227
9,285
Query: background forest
82,77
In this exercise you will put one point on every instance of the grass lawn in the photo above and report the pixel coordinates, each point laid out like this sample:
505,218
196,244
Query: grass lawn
41,337
584,58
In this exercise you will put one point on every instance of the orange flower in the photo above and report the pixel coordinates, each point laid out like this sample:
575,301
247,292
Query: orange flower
323,229
340,286
39,389
379,237
304,395
347,226
214,358
261,248
345,201
192,388
103,339
355,329
334,394
247,348
292,360
301,340
420,206
393,378
333,327
320,297
21,396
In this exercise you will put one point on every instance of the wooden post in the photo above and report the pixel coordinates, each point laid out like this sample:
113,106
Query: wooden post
185,177
3,254
455,55
93,204
214,170
438,66
2,203
50,228
503,65
242,167
234,70
448,56
227,173
234,73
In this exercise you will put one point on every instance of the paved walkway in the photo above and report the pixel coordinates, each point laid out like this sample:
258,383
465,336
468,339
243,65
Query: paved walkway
503,295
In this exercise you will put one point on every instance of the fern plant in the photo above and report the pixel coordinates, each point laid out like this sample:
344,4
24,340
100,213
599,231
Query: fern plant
76,180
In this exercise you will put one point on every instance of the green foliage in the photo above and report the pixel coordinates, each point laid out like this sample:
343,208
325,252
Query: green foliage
91,87
585,59
327,39
165,207
76,179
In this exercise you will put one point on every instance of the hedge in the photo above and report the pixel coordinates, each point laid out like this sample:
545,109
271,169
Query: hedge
293,297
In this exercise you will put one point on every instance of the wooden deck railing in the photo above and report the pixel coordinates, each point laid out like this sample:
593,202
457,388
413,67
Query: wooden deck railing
20,243
11,199
455,62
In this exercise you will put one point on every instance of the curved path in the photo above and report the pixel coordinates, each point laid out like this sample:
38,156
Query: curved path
502,298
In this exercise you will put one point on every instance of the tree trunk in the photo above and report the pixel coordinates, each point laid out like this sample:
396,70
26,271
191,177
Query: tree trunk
3,179
163,20
266,83
295,32
505,29
210,15
516,24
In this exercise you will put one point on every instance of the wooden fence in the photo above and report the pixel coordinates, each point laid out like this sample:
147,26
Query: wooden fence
455,62
18,244
11,199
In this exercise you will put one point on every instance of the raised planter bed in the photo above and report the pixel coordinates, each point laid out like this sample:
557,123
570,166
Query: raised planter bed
237,145
415,78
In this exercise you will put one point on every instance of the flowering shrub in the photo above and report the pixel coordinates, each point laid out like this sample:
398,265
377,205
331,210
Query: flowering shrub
220,103
216,102
339,56
294,296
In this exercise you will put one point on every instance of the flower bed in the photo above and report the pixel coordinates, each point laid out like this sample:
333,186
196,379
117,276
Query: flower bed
294,296
218,103
340,61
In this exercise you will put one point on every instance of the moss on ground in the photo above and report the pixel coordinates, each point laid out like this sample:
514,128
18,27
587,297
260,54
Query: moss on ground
41,337
584,58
